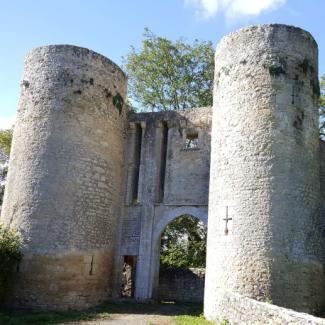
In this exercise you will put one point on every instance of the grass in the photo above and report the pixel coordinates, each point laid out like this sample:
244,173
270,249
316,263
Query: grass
190,320
50,318
189,314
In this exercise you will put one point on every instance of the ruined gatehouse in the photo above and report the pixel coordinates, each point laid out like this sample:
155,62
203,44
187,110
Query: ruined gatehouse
92,184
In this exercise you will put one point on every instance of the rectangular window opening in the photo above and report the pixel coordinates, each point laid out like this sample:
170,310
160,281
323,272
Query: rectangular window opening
192,140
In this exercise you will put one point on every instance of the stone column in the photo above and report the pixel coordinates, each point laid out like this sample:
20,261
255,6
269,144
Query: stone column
263,229
145,274
130,163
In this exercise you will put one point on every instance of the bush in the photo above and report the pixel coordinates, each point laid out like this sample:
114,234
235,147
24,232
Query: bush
10,254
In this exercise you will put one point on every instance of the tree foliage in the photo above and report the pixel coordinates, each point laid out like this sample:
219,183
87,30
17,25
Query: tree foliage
183,243
322,107
5,145
3,177
166,75
10,253
5,142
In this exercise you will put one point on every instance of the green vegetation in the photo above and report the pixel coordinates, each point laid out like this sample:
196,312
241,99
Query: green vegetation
275,70
316,88
10,254
50,318
5,141
224,322
5,145
3,176
304,65
189,314
192,320
166,75
322,107
183,243
118,102
268,300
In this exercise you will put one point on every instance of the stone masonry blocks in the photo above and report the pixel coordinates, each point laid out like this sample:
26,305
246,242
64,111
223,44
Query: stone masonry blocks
65,180
263,230
84,198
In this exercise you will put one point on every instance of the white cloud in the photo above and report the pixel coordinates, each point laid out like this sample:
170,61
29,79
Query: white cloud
233,8
7,122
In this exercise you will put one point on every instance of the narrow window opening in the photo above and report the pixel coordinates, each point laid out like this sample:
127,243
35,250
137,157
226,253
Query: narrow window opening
128,276
137,158
163,159
192,140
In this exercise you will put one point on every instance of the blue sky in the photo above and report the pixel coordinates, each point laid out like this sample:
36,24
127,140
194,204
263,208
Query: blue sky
111,27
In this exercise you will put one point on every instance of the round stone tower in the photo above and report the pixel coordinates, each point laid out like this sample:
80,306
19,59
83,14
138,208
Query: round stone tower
263,229
65,177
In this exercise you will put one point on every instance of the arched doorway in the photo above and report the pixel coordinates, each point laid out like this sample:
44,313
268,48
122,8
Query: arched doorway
170,215
182,260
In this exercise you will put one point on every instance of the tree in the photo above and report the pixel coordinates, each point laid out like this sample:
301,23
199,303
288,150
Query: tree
322,107
5,141
183,243
166,75
5,145
10,253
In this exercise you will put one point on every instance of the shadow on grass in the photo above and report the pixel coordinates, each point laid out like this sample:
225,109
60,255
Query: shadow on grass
49,318
102,312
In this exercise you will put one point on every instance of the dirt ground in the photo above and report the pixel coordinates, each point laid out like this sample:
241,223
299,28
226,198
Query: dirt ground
134,319
121,313
143,314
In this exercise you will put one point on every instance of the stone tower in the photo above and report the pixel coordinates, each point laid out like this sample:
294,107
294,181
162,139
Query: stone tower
65,180
263,229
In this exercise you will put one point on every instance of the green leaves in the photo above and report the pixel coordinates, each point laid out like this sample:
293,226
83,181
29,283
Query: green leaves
118,102
5,141
322,107
3,177
10,246
183,243
5,145
168,75
322,87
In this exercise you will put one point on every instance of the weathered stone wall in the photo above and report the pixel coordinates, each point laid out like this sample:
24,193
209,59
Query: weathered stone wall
187,170
80,210
186,183
180,284
64,187
239,310
265,170
322,184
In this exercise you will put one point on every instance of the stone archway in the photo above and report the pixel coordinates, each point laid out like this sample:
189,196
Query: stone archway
196,212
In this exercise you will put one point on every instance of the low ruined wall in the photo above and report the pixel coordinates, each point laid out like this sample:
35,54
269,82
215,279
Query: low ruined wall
237,309
180,284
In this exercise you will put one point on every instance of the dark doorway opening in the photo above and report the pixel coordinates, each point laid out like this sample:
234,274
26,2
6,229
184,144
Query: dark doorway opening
128,276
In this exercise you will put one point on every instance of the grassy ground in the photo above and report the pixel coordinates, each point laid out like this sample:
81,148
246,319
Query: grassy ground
190,320
50,318
180,314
